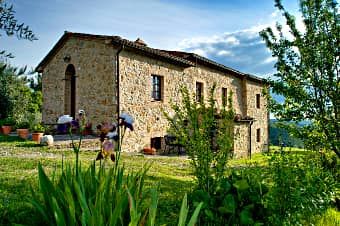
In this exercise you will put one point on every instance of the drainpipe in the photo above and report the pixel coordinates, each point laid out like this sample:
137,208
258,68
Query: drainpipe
118,90
249,152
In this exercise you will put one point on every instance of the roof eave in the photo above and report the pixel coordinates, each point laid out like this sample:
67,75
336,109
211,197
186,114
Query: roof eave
114,40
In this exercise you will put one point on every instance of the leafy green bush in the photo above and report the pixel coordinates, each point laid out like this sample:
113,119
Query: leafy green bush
238,200
207,136
301,188
38,128
23,125
7,122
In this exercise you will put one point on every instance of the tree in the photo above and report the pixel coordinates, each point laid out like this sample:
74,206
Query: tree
11,26
308,67
15,96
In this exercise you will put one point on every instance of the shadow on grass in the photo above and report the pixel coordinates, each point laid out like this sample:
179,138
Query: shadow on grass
28,145
7,138
18,141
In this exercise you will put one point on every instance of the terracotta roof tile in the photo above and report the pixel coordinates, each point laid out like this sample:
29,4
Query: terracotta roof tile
180,58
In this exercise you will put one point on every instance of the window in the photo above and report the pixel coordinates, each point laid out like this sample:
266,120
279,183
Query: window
258,98
199,91
156,87
258,135
224,96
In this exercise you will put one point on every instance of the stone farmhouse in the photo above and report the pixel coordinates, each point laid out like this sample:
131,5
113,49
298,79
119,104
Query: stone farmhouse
108,74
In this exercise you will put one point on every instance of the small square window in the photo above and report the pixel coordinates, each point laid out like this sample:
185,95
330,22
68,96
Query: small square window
156,87
258,99
224,96
199,92
258,135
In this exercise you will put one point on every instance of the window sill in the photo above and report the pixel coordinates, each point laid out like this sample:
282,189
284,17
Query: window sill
155,100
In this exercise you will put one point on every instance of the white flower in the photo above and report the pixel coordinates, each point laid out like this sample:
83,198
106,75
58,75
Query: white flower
127,120
112,135
64,119
81,112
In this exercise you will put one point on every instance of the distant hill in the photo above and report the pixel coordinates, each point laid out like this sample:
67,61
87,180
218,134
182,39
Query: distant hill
279,135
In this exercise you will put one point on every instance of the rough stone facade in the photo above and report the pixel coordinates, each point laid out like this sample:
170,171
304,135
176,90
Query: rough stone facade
94,59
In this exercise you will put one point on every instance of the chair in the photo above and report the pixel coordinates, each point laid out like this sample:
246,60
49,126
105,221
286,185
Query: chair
172,144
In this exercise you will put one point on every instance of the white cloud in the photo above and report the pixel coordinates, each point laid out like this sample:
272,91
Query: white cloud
269,60
224,53
200,52
243,50
232,40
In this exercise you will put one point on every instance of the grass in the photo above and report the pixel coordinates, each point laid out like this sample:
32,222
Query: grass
18,171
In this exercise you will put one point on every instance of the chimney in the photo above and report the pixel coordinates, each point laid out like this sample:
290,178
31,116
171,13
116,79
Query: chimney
140,42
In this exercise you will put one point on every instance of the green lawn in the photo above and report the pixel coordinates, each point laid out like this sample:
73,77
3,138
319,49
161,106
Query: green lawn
18,171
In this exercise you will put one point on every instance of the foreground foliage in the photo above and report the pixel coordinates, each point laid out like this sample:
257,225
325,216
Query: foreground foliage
19,171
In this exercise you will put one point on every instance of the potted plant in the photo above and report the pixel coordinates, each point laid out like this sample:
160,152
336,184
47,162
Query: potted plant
23,129
88,129
149,151
37,132
6,125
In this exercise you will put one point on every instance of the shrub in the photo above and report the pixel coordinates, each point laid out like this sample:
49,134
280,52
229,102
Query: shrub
207,136
301,188
237,200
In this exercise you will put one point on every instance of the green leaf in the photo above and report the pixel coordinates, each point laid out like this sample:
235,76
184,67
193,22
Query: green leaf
246,217
194,216
229,204
241,185
201,196
58,214
225,184
86,215
183,212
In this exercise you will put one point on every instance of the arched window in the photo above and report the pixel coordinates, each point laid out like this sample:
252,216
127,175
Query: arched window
70,91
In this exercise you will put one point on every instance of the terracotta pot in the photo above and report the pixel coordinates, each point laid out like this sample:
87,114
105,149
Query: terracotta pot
149,151
87,132
23,133
36,137
6,129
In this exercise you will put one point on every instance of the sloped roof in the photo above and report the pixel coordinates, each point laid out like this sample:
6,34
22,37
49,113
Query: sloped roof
180,58
115,40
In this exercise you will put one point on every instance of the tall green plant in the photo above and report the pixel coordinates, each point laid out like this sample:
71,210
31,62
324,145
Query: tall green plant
207,136
302,188
100,195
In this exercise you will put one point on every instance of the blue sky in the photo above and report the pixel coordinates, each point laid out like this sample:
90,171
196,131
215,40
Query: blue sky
224,31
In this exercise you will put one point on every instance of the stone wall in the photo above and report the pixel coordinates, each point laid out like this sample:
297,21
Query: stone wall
260,114
135,96
94,63
241,140
136,71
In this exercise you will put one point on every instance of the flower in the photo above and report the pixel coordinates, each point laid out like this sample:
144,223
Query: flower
103,129
108,147
127,120
107,151
81,112
112,135
64,119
